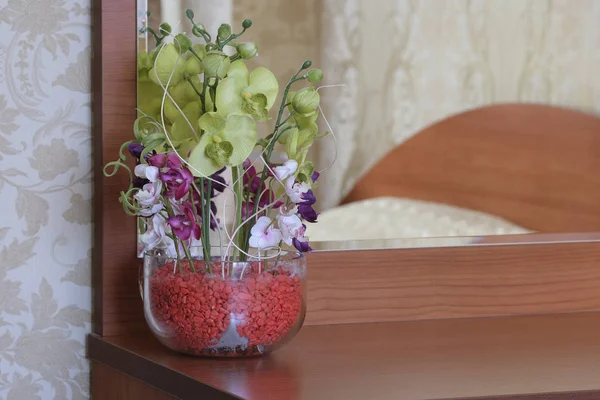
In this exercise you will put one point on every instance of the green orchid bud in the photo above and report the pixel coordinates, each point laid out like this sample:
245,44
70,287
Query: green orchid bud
216,64
182,43
198,29
247,50
306,101
189,13
315,75
307,64
224,31
247,23
165,28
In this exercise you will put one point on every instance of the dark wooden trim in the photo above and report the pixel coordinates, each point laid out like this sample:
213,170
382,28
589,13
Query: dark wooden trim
114,101
159,376
109,384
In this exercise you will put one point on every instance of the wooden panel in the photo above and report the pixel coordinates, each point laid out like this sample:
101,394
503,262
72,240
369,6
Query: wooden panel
114,87
139,370
110,384
461,359
411,284
537,166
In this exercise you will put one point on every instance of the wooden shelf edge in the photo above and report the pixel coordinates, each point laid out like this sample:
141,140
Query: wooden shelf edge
179,384
151,373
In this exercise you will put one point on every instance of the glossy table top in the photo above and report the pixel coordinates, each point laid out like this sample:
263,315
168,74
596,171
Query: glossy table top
441,359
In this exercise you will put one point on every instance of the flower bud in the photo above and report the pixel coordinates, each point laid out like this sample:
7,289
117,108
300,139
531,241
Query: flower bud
247,23
315,75
224,31
182,43
198,29
165,28
306,101
247,50
189,13
306,64
216,64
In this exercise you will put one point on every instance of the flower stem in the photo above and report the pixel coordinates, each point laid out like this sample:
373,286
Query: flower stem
205,239
271,145
186,250
238,190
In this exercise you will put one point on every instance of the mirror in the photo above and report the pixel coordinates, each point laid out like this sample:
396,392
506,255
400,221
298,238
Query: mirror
407,93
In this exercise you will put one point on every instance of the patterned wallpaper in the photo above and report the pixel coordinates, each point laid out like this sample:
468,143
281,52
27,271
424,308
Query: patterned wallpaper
405,63
45,191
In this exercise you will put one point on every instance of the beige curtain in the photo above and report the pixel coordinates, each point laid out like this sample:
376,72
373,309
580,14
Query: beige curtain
409,63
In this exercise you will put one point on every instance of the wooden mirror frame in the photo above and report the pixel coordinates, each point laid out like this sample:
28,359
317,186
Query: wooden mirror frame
443,284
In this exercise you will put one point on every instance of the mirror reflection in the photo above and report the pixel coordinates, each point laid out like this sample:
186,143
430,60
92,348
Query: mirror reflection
452,120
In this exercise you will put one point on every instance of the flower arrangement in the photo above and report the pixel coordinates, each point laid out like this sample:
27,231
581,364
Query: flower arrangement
199,106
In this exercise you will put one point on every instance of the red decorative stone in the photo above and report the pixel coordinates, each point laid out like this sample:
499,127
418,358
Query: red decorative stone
197,308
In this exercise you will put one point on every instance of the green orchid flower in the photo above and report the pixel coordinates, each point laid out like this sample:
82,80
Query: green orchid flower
168,61
227,141
247,93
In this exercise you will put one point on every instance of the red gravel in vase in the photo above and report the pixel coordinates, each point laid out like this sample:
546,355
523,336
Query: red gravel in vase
236,309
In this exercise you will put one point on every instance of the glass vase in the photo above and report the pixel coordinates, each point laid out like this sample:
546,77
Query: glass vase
225,308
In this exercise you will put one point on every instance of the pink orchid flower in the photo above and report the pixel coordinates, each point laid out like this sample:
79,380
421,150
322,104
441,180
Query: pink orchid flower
286,170
264,235
146,171
295,190
149,199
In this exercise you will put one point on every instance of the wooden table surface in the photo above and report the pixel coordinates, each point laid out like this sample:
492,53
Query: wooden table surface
441,359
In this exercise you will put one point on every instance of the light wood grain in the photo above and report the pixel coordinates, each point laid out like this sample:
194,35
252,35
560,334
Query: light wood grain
110,384
537,166
116,305
413,284
422,360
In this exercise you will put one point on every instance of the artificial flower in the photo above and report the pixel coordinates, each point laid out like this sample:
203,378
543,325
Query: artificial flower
157,160
286,170
225,142
156,233
149,198
168,66
135,149
290,226
247,50
295,190
184,225
315,176
306,101
146,171
301,244
264,235
247,93
305,207
178,182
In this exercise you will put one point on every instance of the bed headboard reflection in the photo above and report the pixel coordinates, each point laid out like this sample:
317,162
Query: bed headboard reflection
537,166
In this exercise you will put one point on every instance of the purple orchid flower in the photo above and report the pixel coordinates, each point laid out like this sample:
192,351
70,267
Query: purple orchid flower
184,225
157,160
301,245
307,212
315,176
135,149
305,208
178,182
173,161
